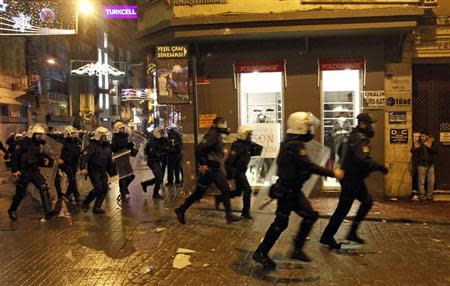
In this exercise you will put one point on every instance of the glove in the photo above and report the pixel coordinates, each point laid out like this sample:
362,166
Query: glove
384,170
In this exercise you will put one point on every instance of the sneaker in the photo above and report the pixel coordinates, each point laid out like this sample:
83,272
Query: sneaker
300,255
330,242
12,215
98,211
231,218
180,215
144,187
264,259
352,236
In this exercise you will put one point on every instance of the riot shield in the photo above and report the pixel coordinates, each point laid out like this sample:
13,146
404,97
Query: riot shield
123,165
53,149
140,161
319,154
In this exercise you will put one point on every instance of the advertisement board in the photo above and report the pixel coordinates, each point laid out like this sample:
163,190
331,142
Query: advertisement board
268,136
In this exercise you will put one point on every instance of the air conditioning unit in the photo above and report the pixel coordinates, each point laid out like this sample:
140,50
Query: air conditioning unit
429,3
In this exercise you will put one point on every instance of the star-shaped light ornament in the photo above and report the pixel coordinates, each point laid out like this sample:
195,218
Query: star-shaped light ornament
3,6
22,22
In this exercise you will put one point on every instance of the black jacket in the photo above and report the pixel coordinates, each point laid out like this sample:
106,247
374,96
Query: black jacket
98,157
240,154
120,142
210,150
156,148
28,155
294,165
424,156
175,141
357,162
70,153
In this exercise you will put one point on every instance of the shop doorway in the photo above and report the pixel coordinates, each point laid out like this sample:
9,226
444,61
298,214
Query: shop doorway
261,105
431,112
341,83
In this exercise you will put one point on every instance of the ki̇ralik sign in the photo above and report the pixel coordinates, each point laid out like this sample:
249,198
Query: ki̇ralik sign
373,99
121,12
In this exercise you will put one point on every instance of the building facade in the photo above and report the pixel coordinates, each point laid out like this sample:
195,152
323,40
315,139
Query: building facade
259,61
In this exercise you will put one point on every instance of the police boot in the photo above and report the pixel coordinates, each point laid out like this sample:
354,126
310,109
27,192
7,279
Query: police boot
98,204
246,207
157,195
12,215
261,256
330,242
45,198
231,217
217,201
353,236
90,197
180,214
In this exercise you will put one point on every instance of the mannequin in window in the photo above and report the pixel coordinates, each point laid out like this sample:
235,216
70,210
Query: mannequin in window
341,128
261,118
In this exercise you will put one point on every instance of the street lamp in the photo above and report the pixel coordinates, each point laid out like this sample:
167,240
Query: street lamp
85,7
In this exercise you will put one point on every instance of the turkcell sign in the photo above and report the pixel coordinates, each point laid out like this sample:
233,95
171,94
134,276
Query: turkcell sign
121,12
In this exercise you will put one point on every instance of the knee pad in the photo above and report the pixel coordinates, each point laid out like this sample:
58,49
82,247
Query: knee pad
312,217
281,224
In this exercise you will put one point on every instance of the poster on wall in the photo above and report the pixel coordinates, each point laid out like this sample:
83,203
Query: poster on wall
399,136
398,117
37,17
206,120
268,136
172,74
373,99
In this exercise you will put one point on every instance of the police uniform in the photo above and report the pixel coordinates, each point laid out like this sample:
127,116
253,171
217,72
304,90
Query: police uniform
155,149
27,158
294,169
357,165
210,153
236,166
70,154
120,142
174,156
97,159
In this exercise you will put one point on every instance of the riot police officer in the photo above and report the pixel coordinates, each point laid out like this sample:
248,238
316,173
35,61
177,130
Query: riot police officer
174,156
121,142
357,165
156,149
294,169
69,161
210,154
26,160
97,162
236,166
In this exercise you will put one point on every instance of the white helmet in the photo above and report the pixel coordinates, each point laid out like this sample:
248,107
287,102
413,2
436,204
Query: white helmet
18,136
118,126
302,123
243,132
159,132
70,132
101,131
35,129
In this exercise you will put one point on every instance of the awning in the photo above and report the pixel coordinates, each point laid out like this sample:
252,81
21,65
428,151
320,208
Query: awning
8,96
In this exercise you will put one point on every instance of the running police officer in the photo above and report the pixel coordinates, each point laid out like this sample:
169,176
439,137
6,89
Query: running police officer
25,162
97,162
155,149
357,165
210,153
121,142
236,166
70,159
294,169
